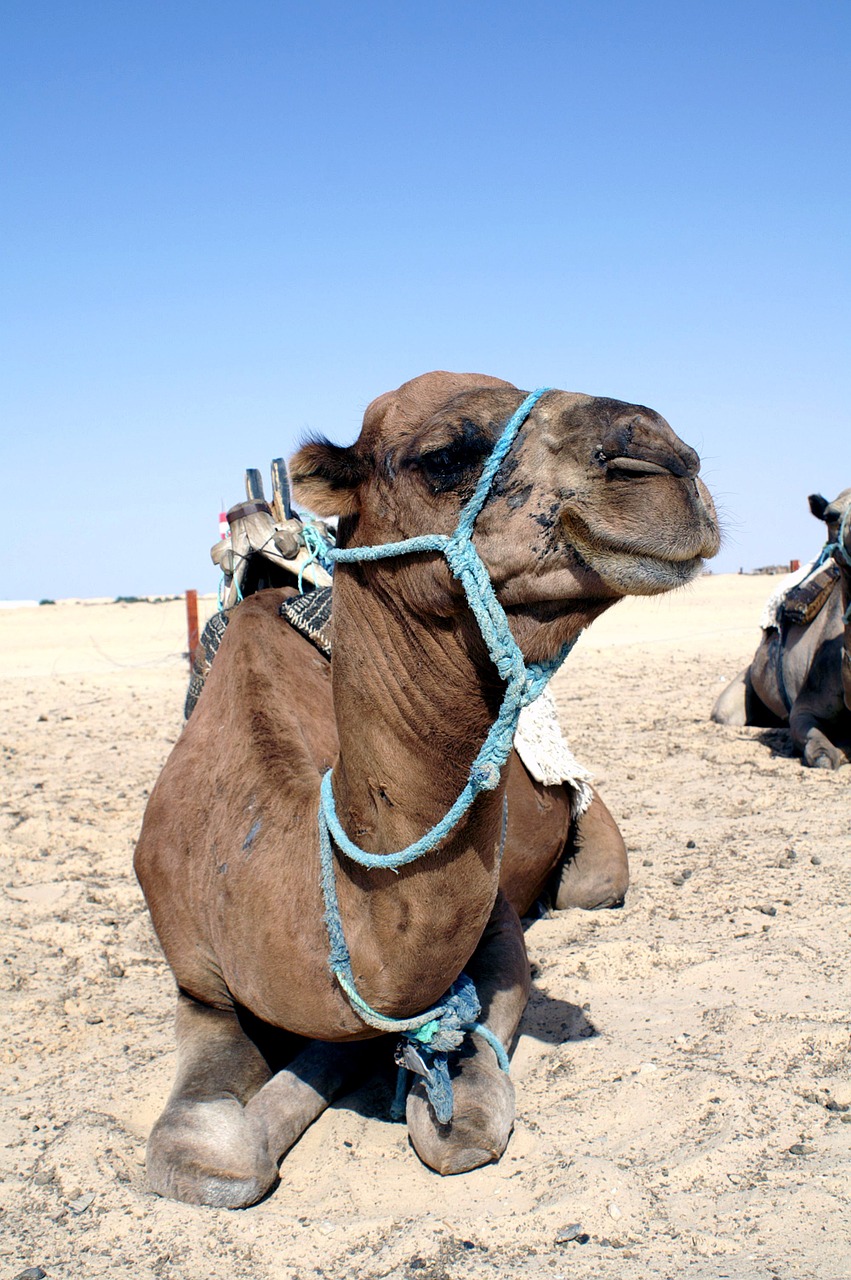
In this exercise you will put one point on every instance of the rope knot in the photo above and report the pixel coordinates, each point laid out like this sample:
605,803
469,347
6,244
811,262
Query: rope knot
425,1051
485,776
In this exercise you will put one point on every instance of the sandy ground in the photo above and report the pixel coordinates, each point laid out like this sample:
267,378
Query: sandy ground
682,1074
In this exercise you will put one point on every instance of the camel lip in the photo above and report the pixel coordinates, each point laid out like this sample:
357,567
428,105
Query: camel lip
651,575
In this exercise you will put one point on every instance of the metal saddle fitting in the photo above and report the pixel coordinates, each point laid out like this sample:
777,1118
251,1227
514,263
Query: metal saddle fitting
266,545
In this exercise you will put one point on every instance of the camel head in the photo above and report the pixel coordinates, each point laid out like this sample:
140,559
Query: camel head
596,499
835,515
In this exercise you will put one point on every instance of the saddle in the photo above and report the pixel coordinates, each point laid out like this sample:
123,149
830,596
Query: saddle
804,601
267,545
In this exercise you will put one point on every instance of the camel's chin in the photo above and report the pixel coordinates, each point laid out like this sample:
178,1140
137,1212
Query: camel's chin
645,575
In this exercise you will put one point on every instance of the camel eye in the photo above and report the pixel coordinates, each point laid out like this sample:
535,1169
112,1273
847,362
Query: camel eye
456,464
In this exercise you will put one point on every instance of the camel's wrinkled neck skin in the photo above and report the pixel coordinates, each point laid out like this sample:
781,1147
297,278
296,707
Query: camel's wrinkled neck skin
408,703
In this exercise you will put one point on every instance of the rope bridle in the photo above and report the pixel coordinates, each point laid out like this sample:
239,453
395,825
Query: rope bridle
431,1034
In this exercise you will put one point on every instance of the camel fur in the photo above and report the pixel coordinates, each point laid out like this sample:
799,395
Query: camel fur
801,672
597,499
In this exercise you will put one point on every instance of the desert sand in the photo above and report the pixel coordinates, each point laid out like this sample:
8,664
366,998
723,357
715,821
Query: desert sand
682,1072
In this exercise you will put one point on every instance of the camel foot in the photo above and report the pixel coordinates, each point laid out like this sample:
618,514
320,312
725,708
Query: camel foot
479,1130
210,1153
595,873
823,757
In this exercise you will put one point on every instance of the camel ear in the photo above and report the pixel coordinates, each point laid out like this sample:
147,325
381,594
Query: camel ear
326,477
818,505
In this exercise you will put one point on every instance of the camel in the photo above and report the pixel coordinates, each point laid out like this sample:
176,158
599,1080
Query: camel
801,672
321,853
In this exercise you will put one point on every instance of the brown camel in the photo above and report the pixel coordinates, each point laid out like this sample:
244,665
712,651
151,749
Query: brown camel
595,500
801,672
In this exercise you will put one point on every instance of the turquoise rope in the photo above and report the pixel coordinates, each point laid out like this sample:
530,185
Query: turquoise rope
438,1030
318,547
840,552
435,1032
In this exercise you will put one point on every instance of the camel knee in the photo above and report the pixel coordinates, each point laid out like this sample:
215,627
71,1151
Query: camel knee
595,871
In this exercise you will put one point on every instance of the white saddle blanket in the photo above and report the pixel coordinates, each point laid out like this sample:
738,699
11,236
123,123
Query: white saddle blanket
541,746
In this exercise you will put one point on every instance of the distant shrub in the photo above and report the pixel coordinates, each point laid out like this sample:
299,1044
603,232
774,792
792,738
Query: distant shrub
47,602
130,600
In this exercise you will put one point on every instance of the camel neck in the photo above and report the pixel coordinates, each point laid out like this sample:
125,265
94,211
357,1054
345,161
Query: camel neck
414,703
522,683
845,605
412,708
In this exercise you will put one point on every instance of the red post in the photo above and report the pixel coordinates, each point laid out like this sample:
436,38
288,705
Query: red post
192,625
794,566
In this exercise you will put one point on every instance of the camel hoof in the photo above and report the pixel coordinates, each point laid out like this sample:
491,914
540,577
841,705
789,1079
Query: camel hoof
590,897
822,758
479,1130
209,1153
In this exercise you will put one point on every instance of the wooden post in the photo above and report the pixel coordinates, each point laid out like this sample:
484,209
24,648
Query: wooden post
794,566
254,485
192,625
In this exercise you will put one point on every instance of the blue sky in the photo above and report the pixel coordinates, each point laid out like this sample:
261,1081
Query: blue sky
224,225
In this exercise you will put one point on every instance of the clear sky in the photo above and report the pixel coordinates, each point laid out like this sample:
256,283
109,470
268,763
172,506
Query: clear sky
225,224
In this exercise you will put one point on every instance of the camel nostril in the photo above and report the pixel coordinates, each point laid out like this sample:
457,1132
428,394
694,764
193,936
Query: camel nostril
639,447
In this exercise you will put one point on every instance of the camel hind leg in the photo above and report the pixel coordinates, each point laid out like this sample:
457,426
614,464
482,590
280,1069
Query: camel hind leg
739,704
731,705
483,1093
230,1116
594,872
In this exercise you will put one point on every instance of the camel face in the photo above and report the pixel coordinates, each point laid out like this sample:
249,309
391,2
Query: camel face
597,499
831,513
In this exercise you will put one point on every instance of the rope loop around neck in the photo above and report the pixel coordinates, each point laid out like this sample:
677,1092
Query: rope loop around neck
523,683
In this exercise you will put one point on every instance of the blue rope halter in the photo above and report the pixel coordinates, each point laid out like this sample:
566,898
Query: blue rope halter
434,1032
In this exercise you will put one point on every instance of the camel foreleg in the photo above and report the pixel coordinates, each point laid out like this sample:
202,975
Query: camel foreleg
807,731
230,1118
483,1093
818,711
